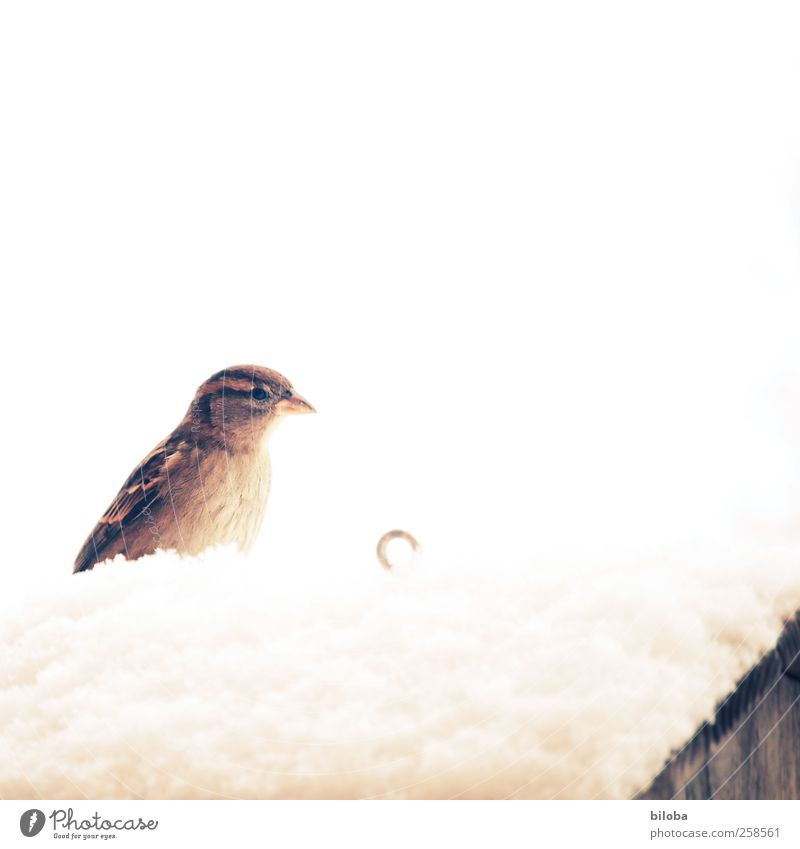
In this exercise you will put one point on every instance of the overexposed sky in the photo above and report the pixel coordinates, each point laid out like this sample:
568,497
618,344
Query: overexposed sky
536,265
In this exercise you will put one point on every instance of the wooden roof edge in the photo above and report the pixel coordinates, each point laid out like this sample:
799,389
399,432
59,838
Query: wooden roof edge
782,659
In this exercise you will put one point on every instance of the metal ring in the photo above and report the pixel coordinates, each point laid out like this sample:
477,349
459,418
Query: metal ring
384,541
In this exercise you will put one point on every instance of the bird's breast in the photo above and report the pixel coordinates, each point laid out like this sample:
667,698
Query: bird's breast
230,500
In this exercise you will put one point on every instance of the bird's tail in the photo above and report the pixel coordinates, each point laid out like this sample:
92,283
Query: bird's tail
87,556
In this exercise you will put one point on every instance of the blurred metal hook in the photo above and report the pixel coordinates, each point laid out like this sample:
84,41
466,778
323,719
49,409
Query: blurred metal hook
383,542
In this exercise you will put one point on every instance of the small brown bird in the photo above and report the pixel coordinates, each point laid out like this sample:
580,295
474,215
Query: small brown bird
207,483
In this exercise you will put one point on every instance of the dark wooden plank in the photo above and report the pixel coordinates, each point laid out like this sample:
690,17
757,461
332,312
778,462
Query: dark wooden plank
760,759
751,750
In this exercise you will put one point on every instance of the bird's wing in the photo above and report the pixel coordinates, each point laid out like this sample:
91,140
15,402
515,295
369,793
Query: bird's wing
142,491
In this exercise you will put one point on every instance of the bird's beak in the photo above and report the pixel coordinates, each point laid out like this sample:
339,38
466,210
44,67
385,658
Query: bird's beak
294,404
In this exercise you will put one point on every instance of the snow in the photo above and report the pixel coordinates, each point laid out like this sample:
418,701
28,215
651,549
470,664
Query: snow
221,677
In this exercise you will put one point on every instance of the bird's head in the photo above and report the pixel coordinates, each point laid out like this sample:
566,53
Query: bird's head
238,406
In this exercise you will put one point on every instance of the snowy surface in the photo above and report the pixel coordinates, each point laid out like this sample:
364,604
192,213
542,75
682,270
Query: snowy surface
214,678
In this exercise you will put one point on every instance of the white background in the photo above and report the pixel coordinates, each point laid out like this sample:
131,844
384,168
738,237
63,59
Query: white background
622,825
536,265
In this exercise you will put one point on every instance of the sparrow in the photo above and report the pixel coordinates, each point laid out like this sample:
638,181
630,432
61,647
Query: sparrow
207,483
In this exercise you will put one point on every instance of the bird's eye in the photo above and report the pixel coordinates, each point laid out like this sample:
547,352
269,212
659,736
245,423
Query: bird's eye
259,394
